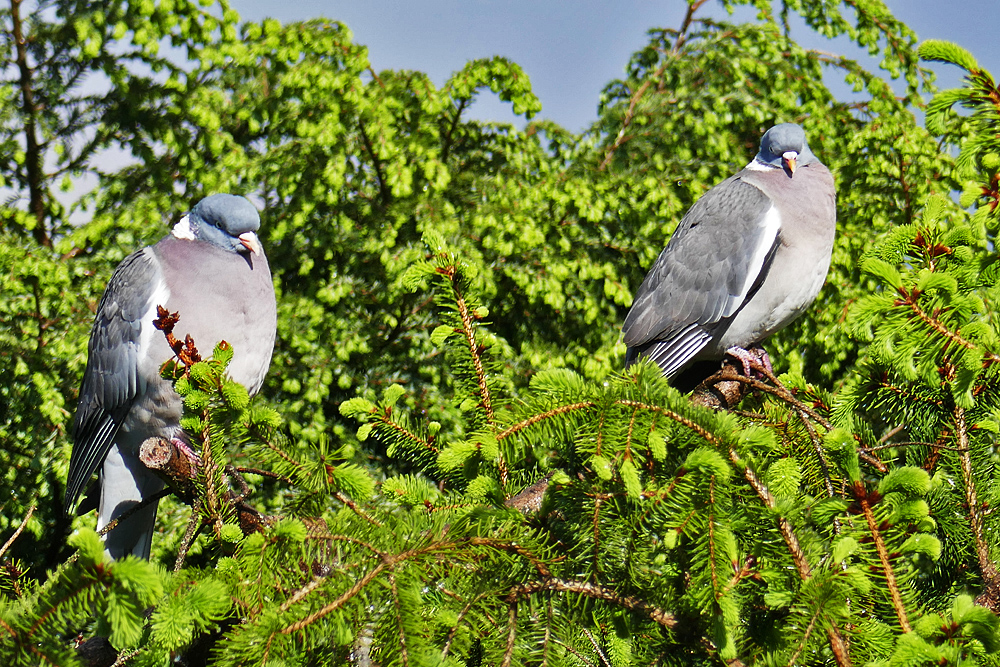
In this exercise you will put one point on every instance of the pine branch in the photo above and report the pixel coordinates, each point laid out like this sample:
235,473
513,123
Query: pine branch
468,330
508,653
597,592
596,529
193,525
837,644
358,586
550,414
987,567
706,435
405,655
716,594
387,562
353,506
208,478
863,498
910,299
407,434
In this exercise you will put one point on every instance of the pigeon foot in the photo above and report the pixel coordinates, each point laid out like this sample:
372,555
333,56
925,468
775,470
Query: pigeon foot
185,449
752,360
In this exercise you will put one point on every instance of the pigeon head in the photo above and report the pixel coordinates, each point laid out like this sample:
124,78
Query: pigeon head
228,221
784,147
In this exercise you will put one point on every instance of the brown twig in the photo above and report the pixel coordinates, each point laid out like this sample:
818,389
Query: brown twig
837,644
597,536
597,647
805,638
621,138
508,653
124,658
405,656
383,187
776,389
20,529
145,502
262,473
171,464
33,158
883,554
446,147
194,524
353,506
596,591
986,565
458,623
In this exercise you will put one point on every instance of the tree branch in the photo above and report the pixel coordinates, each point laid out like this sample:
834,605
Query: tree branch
384,193
986,565
883,555
621,138
33,151
20,529
596,591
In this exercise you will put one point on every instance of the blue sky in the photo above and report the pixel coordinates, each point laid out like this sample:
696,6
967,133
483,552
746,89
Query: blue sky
571,48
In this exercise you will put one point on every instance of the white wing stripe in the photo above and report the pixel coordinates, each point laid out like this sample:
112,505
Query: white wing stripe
147,331
770,224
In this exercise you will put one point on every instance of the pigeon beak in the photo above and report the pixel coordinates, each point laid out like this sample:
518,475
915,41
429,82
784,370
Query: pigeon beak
249,241
788,159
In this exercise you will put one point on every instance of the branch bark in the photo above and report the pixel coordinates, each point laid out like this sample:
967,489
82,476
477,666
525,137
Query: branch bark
883,556
33,161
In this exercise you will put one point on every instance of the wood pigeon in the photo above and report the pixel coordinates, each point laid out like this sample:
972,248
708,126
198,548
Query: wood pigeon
748,258
212,271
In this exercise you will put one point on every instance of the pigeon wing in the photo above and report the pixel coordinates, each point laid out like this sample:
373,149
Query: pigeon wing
711,267
112,381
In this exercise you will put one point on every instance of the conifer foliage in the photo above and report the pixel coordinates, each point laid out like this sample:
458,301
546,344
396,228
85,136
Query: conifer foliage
445,466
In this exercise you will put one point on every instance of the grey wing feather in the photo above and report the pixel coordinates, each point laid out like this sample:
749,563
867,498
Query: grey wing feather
708,270
671,355
111,381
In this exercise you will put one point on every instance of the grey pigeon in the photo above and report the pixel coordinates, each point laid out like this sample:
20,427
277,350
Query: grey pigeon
748,258
211,270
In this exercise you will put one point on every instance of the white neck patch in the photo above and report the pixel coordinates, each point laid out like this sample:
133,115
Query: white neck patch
182,229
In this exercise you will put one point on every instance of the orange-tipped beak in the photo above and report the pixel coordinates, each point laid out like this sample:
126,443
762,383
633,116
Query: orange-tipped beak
249,241
788,158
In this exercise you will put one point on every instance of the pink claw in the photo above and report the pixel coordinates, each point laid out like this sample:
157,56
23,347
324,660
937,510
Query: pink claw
185,449
756,355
